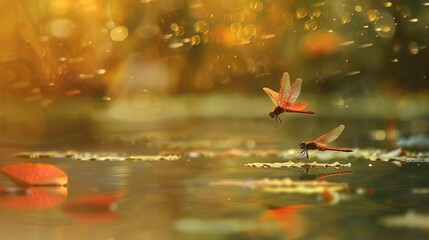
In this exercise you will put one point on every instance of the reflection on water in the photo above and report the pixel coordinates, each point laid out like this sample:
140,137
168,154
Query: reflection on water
217,196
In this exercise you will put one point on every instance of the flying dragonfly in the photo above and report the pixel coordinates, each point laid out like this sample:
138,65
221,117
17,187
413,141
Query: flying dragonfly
284,100
320,142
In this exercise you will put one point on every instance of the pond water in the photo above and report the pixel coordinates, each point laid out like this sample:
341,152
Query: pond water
207,192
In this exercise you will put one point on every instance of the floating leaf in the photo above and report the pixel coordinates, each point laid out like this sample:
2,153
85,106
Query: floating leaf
291,164
399,157
35,198
107,156
410,220
86,157
47,154
222,225
35,174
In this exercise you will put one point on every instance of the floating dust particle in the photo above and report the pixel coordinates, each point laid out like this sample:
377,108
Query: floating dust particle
413,47
301,13
195,40
387,4
310,25
358,8
72,92
268,36
395,60
404,11
258,6
345,17
352,73
176,45
201,27
119,33
373,15
76,60
316,14
180,31
167,36
100,71
86,75
174,27
425,4
366,45
347,43
413,20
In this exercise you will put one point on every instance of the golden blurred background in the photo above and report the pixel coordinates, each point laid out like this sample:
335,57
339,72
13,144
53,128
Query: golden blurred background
67,66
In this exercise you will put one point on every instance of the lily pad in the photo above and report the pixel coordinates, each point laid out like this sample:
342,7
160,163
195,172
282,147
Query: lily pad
400,156
95,157
99,156
291,164
410,219
35,174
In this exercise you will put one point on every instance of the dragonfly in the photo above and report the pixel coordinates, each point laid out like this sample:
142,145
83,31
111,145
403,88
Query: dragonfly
320,142
284,100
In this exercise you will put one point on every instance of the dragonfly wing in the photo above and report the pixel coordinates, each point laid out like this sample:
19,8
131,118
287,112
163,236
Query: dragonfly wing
298,106
284,87
293,93
330,136
273,95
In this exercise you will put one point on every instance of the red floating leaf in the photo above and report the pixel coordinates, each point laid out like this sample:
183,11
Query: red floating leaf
286,212
35,174
93,208
35,198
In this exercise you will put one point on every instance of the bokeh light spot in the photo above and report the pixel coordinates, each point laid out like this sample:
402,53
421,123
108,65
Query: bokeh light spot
119,33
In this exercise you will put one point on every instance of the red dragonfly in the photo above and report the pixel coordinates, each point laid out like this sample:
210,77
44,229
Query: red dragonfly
320,142
284,100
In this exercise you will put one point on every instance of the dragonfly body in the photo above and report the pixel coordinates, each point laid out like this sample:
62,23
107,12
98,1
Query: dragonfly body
311,145
320,142
284,100
276,112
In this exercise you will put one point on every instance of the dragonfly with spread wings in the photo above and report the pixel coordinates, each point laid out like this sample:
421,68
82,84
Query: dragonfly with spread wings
320,142
284,100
